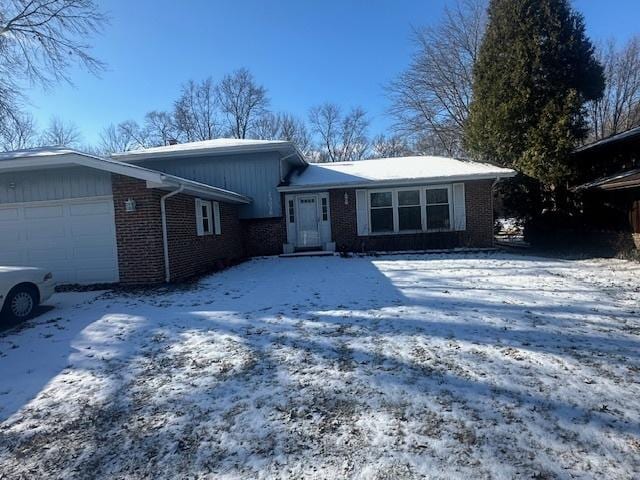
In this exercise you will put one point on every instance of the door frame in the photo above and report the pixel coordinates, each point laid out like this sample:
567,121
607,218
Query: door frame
292,213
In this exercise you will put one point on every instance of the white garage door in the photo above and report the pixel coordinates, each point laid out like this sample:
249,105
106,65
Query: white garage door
75,239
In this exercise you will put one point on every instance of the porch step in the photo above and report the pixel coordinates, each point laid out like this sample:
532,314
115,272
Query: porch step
310,253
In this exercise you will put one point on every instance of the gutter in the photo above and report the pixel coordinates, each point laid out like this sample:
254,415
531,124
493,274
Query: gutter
165,239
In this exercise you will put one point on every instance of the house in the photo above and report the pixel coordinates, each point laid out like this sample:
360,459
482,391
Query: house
168,213
611,184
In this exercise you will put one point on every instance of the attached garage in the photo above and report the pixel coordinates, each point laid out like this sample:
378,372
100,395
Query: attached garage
73,238
94,220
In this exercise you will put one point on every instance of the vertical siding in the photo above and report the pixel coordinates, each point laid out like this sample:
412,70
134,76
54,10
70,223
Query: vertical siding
53,184
254,175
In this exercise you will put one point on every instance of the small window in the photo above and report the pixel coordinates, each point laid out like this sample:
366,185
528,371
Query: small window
438,209
292,215
409,211
381,212
204,217
325,209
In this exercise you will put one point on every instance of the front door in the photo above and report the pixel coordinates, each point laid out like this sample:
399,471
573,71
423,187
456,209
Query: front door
308,225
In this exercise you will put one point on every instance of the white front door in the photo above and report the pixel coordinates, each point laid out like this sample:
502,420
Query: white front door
308,226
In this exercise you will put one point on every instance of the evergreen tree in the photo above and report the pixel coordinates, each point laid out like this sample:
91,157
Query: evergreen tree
535,71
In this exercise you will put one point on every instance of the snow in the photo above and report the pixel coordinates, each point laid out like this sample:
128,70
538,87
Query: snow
204,145
474,365
364,172
48,151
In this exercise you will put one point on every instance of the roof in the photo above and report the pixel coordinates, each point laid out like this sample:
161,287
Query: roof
51,157
388,171
218,146
618,137
619,181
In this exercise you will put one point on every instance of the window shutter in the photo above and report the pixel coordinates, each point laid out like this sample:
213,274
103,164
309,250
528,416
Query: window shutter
199,229
216,217
459,209
362,212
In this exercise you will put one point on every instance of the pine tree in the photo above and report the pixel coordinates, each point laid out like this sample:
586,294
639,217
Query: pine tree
535,71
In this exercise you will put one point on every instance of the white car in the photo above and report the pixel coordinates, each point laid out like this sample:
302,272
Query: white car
22,289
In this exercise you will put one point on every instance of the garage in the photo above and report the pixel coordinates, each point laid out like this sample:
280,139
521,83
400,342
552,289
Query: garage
73,238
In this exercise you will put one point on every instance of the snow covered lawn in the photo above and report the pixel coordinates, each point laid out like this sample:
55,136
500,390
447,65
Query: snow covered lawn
443,366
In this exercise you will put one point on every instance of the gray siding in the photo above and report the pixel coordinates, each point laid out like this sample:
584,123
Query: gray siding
254,175
53,184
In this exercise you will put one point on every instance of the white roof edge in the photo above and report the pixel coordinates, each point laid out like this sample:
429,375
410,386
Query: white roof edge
399,182
117,167
139,155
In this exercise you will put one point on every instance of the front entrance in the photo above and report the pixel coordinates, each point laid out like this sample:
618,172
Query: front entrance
308,222
308,226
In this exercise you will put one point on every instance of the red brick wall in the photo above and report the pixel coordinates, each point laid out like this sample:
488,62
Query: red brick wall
479,232
190,254
264,236
139,235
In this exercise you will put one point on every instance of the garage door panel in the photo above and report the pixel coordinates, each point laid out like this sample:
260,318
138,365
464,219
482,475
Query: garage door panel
8,214
85,209
74,240
55,211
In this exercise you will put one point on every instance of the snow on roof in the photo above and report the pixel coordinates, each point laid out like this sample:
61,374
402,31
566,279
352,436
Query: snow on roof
48,151
215,146
393,170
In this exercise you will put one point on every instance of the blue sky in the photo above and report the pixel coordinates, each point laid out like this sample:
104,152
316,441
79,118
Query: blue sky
304,52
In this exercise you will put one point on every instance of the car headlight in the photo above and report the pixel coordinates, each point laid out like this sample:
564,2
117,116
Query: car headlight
48,276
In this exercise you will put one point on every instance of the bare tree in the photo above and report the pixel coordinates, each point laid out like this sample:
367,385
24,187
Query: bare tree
61,133
196,111
160,128
341,137
18,132
434,93
283,126
387,147
242,101
39,41
619,108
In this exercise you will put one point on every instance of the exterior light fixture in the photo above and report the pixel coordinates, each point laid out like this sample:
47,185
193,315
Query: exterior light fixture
12,185
346,198
130,205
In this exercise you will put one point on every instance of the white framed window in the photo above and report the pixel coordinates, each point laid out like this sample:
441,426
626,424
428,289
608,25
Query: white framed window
204,217
381,211
410,210
438,207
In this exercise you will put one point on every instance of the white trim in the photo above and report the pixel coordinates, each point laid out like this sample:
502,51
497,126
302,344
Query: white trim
200,230
395,183
395,208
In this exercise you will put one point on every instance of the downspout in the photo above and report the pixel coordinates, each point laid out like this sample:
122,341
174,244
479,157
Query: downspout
165,237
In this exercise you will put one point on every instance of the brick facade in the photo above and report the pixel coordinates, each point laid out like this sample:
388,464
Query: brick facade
264,236
139,235
479,231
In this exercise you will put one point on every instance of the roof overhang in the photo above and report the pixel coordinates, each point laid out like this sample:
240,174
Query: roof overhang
619,181
154,179
287,149
395,182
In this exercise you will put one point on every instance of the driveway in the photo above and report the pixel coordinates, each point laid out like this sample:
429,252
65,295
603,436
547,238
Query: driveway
439,366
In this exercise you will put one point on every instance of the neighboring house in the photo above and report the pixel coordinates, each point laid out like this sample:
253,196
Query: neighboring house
168,213
611,185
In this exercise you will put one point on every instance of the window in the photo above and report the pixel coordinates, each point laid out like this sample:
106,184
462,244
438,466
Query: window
325,209
409,210
292,215
438,209
204,217
381,204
